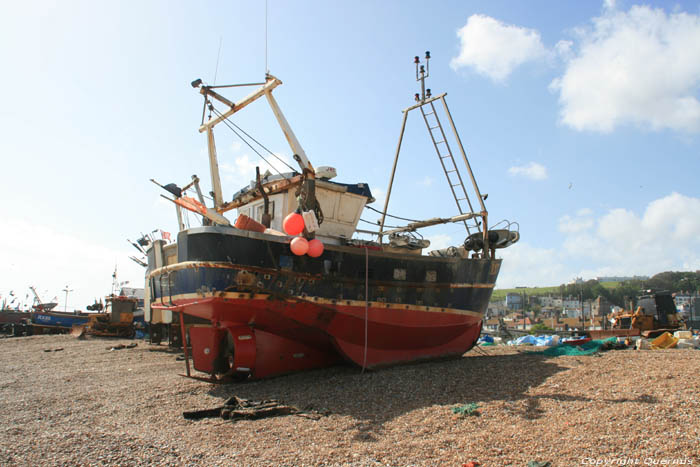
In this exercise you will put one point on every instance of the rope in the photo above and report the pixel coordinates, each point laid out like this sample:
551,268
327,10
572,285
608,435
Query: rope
389,215
364,362
477,224
229,123
377,223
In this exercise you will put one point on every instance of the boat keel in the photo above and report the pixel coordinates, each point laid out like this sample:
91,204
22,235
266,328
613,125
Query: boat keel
241,352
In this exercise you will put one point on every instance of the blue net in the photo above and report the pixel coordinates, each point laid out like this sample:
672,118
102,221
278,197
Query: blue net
587,348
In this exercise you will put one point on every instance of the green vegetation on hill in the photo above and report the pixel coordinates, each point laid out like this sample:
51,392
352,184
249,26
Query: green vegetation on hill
500,294
614,292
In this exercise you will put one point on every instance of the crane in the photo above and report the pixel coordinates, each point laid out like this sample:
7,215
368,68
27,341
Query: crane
39,304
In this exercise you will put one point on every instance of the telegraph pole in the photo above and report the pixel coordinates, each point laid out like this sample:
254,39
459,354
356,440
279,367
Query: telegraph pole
65,304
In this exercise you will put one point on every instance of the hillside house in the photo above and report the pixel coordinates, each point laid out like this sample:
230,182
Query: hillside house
514,301
600,307
491,325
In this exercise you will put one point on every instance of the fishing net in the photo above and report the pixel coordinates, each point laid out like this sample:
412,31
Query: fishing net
587,348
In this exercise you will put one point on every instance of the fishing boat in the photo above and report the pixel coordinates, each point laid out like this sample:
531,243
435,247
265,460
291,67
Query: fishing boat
49,322
46,320
288,286
14,321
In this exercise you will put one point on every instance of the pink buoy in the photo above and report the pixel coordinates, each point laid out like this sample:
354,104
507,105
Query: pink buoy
293,224
299,246
315,248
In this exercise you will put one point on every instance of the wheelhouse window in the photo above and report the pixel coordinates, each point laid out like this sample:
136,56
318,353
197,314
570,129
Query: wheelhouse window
260,210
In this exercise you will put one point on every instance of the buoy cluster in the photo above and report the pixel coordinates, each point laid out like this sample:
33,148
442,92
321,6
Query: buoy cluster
293,225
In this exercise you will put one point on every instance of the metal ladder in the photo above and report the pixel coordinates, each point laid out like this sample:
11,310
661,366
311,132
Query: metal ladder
442,147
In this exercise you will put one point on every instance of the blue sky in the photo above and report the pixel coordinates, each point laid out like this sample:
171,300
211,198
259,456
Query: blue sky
581,121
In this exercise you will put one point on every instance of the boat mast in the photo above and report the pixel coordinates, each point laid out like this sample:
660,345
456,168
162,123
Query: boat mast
265,89
294,144
425,98
214,169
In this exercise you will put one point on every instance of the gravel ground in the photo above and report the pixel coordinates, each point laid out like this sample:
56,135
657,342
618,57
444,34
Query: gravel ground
87,405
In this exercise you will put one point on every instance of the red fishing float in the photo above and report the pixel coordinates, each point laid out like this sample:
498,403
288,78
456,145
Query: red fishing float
293,224
299,246
315,248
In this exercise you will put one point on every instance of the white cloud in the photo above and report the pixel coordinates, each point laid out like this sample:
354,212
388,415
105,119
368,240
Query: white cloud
564,49
440,241
665,237
379,195
427,181
533,171
241,171
639,67
578,223
609,4
51,258
495,49
526,265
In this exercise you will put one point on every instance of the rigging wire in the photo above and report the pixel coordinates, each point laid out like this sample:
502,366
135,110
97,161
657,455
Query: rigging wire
389,215
262,146
477,224
230,125
188,192
376,224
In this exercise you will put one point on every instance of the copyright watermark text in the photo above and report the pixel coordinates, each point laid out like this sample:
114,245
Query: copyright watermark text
615,461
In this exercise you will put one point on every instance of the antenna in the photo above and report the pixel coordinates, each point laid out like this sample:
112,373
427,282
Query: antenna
65,304
422,72
218,54
267,69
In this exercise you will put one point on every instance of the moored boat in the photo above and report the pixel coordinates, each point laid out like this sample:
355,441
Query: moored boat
15,322
46,322
269,302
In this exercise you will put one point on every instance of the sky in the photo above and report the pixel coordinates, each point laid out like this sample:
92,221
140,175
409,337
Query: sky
581,121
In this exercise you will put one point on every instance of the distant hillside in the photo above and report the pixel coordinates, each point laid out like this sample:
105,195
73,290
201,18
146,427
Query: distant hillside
500,294
616,292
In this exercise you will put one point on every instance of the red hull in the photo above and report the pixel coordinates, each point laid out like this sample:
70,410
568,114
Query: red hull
269,336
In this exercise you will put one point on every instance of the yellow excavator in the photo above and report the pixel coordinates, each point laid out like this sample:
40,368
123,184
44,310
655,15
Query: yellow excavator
655,314
116,321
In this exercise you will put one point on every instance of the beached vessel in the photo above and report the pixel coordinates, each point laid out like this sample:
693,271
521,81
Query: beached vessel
48,322
14,322
259,305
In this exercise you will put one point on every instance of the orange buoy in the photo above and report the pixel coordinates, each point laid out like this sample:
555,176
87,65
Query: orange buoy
315,248
299,246
293,224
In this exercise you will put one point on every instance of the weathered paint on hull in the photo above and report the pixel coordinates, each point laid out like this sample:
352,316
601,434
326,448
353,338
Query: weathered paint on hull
393,335
57,320
417,307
